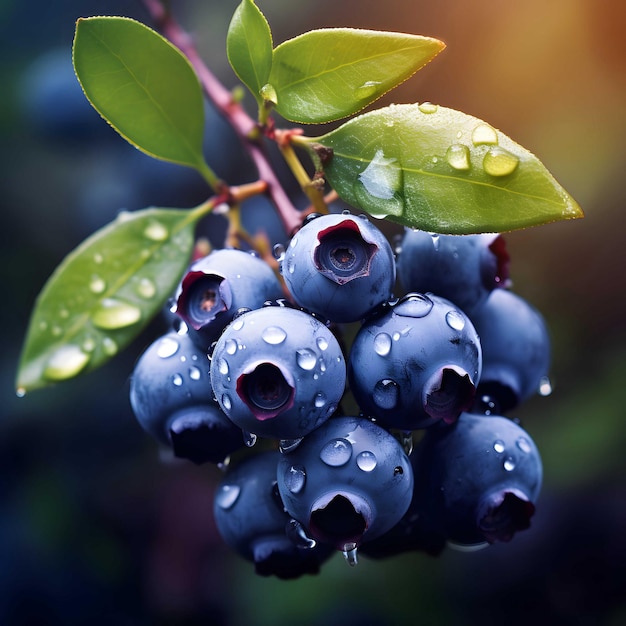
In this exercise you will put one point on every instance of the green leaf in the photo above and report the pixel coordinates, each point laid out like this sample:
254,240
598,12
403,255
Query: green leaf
104,293
440,170
143,86
328,74
249,47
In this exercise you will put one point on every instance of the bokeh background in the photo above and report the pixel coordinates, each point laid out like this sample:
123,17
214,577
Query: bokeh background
98,526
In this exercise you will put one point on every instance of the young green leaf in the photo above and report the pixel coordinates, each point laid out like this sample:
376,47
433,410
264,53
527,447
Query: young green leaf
143,86
328,74
104,293
429,167
249,47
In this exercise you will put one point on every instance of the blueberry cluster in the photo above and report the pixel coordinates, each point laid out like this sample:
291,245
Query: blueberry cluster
379,421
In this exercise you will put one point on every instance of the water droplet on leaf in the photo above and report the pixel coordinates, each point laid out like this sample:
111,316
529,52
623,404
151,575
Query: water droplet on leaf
428,107
155,231
458,156
146,288
97,284
484,134
113,314
65,362
499,162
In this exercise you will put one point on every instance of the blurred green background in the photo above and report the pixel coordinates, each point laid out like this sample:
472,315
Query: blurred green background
98,527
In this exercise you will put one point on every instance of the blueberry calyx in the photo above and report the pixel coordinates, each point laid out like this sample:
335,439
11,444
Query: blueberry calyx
266,390
339,519
203,297
342,253
448,393
503,513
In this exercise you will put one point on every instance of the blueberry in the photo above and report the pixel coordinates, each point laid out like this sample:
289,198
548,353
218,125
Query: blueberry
251,519
347,482
278,372
516,349
415,363
339,266
217,286
461,268
477,481
172,398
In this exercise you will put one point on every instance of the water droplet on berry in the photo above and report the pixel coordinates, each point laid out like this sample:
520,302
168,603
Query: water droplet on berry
406,440
499,162
155,231
523,444
545,386
289,445
382,344
249,439
278,251
167,347
336,452
195,373
498,446
109,346
146,289
428,107
97,284
112,314
414,305
509,464
322,343
458,156
230,345
366,461
227,495
177,380
386,393
350,554
297,535
306,359
295,478
484,134
455,320
227,403
222,367
65,362
273,335
320,400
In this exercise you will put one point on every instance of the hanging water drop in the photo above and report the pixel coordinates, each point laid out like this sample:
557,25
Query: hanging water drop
499,162
350,554
112,314
545,386
289,445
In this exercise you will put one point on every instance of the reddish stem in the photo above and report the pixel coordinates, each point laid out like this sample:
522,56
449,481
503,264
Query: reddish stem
233,112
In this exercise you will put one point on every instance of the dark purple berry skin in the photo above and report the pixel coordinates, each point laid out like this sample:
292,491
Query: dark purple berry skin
215,287
346,482
464,269
416,363
172,398
278,372
516,349
339,266
251,519
477,481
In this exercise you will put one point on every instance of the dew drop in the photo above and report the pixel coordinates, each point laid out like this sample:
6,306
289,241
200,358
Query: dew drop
237,323
294,241
366,461
167,347
545,386
435,238
406,440
273,335
155,231
509,464
195,373
226,402
97,284
65,362
177,380
415,305
249,439
227,495
278,251
336,452
89,344
367,89
146,289
109,346
498,446
222,367
455,320
230,345
289,445
98,258
523,444
43,325
322,343
306,359
350,554
20,392
291,265
381,183
64,314
385,395
499,162
56,330
458,156
295,478
428,107
320,400
113,314
382,344
484,134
